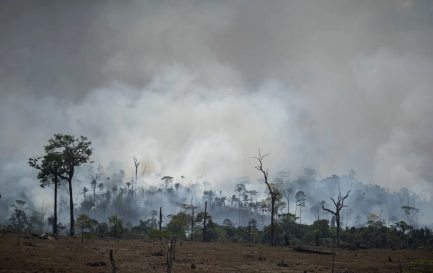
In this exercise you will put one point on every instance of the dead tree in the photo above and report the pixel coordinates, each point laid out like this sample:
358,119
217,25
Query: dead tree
192,220
136,163
204,221
192,224
339,205
171,254
160,219
272,192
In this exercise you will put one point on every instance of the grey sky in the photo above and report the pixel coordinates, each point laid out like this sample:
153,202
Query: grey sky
195,87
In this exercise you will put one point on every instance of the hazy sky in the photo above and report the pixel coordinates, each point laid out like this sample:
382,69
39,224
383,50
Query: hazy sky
196,87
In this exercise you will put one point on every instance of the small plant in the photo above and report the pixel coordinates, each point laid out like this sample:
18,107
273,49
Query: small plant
18,220
116,226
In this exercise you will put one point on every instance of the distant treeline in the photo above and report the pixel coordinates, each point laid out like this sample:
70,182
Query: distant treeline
188,227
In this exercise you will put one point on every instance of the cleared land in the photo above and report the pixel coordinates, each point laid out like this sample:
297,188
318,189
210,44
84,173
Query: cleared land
28,254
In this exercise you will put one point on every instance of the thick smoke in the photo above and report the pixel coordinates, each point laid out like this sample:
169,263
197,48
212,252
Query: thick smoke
195,88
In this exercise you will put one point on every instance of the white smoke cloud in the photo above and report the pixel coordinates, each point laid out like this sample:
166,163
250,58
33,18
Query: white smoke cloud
195,89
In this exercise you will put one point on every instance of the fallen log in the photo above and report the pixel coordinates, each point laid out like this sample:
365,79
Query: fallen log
312,251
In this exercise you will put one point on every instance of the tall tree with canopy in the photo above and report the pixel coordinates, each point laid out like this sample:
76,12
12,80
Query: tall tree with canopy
300,201
73,152
167,180
51,171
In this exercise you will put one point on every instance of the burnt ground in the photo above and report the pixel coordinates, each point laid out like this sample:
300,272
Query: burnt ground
28,254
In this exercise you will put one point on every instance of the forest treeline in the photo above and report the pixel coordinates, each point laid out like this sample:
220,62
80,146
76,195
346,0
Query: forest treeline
308,210
184,225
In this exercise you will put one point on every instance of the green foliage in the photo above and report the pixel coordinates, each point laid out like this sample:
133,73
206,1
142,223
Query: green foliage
279,203
86,223
116,226
319,229
36,222
424,266
50,167
18,221
400,235
145,227
62,154
178,225
199,217
156,234
102,229
227,223
74,151
287,227
213,231
300,198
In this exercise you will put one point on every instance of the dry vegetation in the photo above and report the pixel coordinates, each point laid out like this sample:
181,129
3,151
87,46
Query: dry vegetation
27,254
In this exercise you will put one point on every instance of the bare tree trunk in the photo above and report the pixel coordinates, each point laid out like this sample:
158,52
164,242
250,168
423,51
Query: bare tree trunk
300,215
239,208
204,221
160,218
272,193
333,256
192,224
337,220
71,210
272,219
288,206
136,163
55,207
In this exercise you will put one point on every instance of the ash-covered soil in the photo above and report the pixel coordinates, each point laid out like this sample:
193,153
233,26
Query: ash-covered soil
30,254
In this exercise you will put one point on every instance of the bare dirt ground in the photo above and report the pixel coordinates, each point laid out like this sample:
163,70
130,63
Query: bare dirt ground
28,254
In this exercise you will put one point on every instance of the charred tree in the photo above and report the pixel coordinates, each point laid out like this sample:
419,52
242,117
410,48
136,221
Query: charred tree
204,221
339,205
136,164
192,221
272,192
160,219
